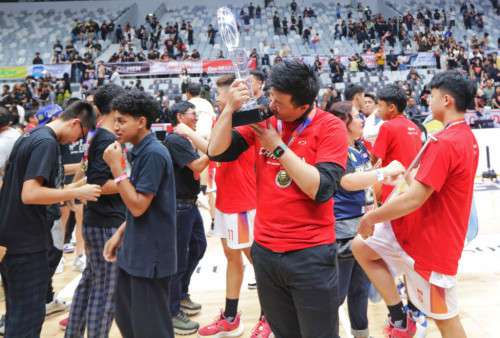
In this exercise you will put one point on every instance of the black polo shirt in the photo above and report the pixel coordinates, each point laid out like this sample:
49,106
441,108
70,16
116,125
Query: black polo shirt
149,244
109,210
187,183
23,227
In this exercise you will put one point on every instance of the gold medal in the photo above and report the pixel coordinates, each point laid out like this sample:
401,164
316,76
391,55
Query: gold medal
282,179
84,166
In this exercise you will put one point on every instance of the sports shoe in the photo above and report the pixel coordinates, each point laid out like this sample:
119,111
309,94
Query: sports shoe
262,329
252,283
2,325
56,307
409,332
60,266
223,328
63,323
189,307
68,248
183,325
79,263
420,321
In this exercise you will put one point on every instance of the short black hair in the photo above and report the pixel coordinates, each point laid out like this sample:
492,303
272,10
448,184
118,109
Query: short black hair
457,84
372,96
225,80
80,110
258,74
137,104
297,79
179,107
194,89
393,94
5,116
104,95
351,90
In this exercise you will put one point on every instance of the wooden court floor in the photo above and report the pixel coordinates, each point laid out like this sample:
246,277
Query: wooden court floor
479,282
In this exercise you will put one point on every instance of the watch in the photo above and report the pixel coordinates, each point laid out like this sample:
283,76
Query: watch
280,150
379,174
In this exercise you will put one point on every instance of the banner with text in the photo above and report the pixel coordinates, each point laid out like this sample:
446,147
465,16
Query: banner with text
129,68
54,70
224,66
175,67
13,72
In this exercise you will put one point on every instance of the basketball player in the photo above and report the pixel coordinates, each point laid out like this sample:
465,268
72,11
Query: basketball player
422,232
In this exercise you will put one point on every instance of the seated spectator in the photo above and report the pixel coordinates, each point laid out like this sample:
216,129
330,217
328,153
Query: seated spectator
37,60
411,108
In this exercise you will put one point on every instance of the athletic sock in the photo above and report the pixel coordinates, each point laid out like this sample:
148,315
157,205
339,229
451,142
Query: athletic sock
398,315
203,189
414,310
231,309
212,226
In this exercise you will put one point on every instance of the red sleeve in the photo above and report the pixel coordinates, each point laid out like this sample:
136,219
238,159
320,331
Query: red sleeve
380,147
435,165
333,143
247,134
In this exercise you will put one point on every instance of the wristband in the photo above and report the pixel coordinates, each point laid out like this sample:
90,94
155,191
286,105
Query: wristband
379,174
121,178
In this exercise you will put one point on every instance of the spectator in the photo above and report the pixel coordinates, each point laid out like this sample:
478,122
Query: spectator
380,60
37,60
392,60
115,77
211,34
488,92
276,24
411,108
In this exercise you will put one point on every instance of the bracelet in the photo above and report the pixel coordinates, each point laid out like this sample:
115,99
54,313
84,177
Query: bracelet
121,178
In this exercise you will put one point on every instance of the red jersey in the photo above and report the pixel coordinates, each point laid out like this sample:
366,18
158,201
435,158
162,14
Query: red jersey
236,190
287,219
434,235
398,139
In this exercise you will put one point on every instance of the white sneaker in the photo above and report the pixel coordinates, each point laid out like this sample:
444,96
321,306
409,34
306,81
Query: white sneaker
56,307
60,266
79,263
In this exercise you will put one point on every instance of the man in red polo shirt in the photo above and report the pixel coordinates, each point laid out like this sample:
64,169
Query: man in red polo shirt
398,138
301,154
425,228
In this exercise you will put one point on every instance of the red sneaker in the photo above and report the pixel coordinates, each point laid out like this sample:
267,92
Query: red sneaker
223,328
393,332
63,323
262,329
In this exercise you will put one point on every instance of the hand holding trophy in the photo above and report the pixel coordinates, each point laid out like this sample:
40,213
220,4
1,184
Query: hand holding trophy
249,112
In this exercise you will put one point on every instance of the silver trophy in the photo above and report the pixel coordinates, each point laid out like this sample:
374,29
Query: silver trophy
249,112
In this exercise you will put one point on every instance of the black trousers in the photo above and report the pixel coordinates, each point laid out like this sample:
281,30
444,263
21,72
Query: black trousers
298,290
141,306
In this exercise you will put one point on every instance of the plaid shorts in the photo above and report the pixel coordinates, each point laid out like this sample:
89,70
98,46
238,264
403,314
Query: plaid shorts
25,279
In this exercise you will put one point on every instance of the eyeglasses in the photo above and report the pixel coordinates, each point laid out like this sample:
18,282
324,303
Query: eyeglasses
81,127
195,114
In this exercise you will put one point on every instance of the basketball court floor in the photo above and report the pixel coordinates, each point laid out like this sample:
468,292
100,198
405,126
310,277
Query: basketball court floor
479,282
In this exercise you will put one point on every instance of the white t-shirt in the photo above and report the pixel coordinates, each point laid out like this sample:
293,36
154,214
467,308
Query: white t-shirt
115,79
7,140
206,116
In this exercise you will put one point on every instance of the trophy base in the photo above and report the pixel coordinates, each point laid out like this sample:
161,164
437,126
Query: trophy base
241,118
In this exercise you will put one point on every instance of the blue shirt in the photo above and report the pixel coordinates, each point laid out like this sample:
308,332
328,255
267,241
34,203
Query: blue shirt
149,244
350,204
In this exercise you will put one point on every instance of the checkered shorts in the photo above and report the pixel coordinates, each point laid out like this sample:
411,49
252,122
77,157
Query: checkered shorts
93,302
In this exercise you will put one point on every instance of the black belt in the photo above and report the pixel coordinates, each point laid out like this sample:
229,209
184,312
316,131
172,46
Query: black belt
186,201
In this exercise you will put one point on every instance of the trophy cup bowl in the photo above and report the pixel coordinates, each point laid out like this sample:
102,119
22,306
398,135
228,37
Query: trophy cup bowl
249,112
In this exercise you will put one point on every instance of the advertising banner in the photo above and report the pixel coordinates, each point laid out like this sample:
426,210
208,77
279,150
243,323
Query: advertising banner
13,72
224,66
54,70
129,68
175,67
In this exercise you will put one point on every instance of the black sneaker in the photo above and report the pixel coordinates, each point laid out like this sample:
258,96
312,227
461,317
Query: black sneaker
183,325
189,307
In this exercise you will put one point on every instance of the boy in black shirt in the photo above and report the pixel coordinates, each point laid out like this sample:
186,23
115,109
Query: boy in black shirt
32,178
93,301
191,240
147,258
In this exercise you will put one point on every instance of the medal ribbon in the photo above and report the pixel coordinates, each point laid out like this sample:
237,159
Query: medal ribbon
296,133
452,123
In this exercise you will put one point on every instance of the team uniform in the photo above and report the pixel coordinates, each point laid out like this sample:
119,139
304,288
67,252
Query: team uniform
147,256
293,233
426,248
398,139
93,301
236,200
23,230
349,207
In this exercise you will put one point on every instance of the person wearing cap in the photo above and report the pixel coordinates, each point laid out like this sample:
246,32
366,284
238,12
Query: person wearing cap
33,179
37,60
